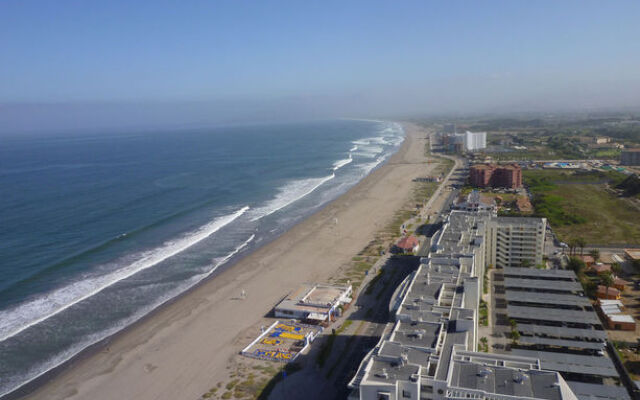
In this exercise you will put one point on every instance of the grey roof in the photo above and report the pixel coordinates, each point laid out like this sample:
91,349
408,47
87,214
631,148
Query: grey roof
416,334
540,284
562,332
579,364
541,273
547,298
391,350
562,342
506,381
553,314
594,391
390,371
451,339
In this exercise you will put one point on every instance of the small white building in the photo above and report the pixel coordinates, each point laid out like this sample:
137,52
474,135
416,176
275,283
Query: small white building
315,303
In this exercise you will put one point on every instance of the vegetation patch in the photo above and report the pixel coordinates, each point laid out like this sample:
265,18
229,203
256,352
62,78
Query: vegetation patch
577,208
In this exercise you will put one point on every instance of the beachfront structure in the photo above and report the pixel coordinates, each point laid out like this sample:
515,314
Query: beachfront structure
430,350
282,341
630,157
316,303
493,175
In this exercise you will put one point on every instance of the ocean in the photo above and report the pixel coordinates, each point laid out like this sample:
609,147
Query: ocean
97,230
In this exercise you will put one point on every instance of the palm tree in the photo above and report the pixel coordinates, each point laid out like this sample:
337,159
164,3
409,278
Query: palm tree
572,246
607,280
595,253
581,242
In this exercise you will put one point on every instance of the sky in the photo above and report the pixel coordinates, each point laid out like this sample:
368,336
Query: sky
90,64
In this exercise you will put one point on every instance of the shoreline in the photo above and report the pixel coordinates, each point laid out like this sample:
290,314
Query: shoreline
33,386
104,364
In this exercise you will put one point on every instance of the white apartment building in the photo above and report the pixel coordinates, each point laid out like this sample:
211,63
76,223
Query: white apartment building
515,241
475,141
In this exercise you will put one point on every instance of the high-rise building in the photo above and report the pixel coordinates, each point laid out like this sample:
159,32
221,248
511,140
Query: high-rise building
469,141
475,141
515,241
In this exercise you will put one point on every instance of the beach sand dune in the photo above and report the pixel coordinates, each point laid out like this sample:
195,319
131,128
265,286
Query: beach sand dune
183,349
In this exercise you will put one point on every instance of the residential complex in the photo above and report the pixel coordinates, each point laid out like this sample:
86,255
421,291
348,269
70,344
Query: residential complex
492,175
430,350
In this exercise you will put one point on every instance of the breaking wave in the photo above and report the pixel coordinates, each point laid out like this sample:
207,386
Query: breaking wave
19,318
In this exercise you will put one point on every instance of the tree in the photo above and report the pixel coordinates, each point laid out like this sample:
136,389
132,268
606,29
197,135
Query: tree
595,253
616,268
581,243
572,246
607,280
577,265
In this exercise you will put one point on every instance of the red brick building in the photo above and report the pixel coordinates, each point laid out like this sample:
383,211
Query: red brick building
492,175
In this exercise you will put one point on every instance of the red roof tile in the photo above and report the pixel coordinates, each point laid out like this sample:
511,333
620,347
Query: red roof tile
408,243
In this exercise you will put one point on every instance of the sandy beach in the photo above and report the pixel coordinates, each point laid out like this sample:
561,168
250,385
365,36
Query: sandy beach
183,349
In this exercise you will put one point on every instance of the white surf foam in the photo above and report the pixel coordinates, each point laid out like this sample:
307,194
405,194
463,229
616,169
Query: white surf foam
68,353
17,319
219,262
289,193
341,163
369,151
370,166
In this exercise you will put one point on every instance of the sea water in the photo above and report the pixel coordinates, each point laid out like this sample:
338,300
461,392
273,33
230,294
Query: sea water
97,230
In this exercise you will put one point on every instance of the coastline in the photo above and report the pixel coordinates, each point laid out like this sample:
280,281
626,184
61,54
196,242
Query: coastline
181,348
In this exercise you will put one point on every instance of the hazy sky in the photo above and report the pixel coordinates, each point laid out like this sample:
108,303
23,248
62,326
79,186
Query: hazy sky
84,63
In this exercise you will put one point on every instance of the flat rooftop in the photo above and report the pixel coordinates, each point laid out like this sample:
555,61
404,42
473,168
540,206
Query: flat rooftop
553,314
563,332
506,381
416,334
543,273
390,372
547,298
539,284
578,344
594,391
573,363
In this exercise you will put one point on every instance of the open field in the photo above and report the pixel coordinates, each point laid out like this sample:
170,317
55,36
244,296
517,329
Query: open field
579,205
